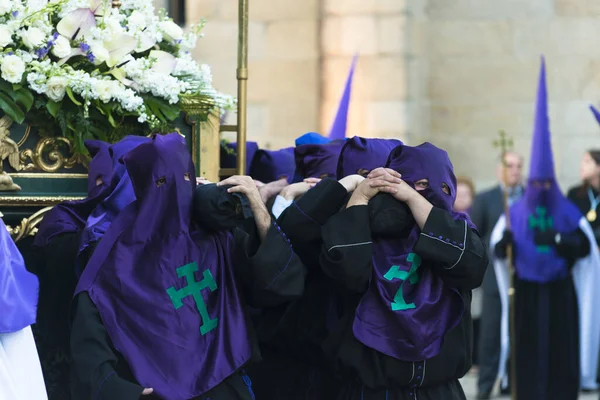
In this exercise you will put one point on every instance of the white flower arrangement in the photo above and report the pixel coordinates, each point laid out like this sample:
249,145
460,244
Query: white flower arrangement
87,70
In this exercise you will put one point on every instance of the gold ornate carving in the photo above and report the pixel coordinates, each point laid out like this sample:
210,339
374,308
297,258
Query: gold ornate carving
33,201
28,226
8,150
48,157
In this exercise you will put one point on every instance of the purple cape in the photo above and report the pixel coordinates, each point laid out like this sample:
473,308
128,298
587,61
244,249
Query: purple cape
70,216
229,155
408,309
167,294
119,194
311,138
317,160
18,287
360,153
542,206
269,166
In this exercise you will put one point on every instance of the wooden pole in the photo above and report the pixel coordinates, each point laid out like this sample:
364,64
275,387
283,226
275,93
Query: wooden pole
242,77
505,144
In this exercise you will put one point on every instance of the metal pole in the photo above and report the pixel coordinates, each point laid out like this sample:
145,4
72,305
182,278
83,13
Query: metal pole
242,77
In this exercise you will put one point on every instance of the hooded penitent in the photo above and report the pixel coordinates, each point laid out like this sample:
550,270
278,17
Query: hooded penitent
408,309
18,287
311,138
119,195
229,155
269,166
71,216
361,154
596,113
317,160
543,206
166,292
338,129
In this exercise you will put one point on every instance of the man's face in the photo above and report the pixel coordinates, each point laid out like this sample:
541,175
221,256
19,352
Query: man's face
514,169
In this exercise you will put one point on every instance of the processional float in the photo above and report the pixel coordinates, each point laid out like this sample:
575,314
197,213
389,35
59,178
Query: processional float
36,172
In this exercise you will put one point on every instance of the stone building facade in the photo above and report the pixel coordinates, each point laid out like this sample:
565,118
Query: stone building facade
453,72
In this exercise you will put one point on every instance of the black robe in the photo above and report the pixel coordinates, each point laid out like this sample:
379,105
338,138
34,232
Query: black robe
268,278
291,336
547,329
366,373
54,265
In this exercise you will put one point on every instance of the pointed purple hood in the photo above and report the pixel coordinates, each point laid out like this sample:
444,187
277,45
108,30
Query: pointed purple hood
338,129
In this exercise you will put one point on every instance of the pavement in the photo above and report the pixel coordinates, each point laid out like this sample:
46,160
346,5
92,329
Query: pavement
469,383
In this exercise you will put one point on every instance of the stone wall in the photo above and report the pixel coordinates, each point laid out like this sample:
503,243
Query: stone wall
284,82
380,94
481,61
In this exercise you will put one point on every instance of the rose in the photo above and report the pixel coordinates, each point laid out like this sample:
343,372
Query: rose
5,35
106,90
12,69
5,6
171,30
62,47
56,88
33,37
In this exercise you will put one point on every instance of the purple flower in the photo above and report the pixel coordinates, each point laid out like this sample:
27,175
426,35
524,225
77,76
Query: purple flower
50,43
84,47
178,41
15,13
41,52
10,53
91,57
55,35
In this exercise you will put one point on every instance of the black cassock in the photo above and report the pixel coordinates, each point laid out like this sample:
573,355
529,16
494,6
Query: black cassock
547,329
366,373
291,336
270,273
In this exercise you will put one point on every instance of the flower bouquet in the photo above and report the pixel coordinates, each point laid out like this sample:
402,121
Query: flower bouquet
84,69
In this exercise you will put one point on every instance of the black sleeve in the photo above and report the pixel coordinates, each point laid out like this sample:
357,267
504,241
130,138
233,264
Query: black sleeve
477,214
457,250
347,248
270,270
303,219
573,246
93,360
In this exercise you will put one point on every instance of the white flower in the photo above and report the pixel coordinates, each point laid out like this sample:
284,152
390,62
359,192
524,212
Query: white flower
5,6
99,51
136,20
55,88
62,47
106,90
12,69
32,37
171,30
5,35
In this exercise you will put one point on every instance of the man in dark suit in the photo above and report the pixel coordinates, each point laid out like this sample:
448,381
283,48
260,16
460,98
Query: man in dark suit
487,209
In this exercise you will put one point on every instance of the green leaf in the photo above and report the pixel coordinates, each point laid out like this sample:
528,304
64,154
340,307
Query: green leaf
11,109
72,97
23,97
5,86
162,109
53,107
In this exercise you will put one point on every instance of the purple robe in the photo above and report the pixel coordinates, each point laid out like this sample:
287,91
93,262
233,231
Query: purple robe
407,309
18,287
269,166
71,216
364,154
166,292
543,206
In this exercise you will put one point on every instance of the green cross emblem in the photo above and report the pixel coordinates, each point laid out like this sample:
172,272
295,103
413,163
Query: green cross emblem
542,222
399,304
194,289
